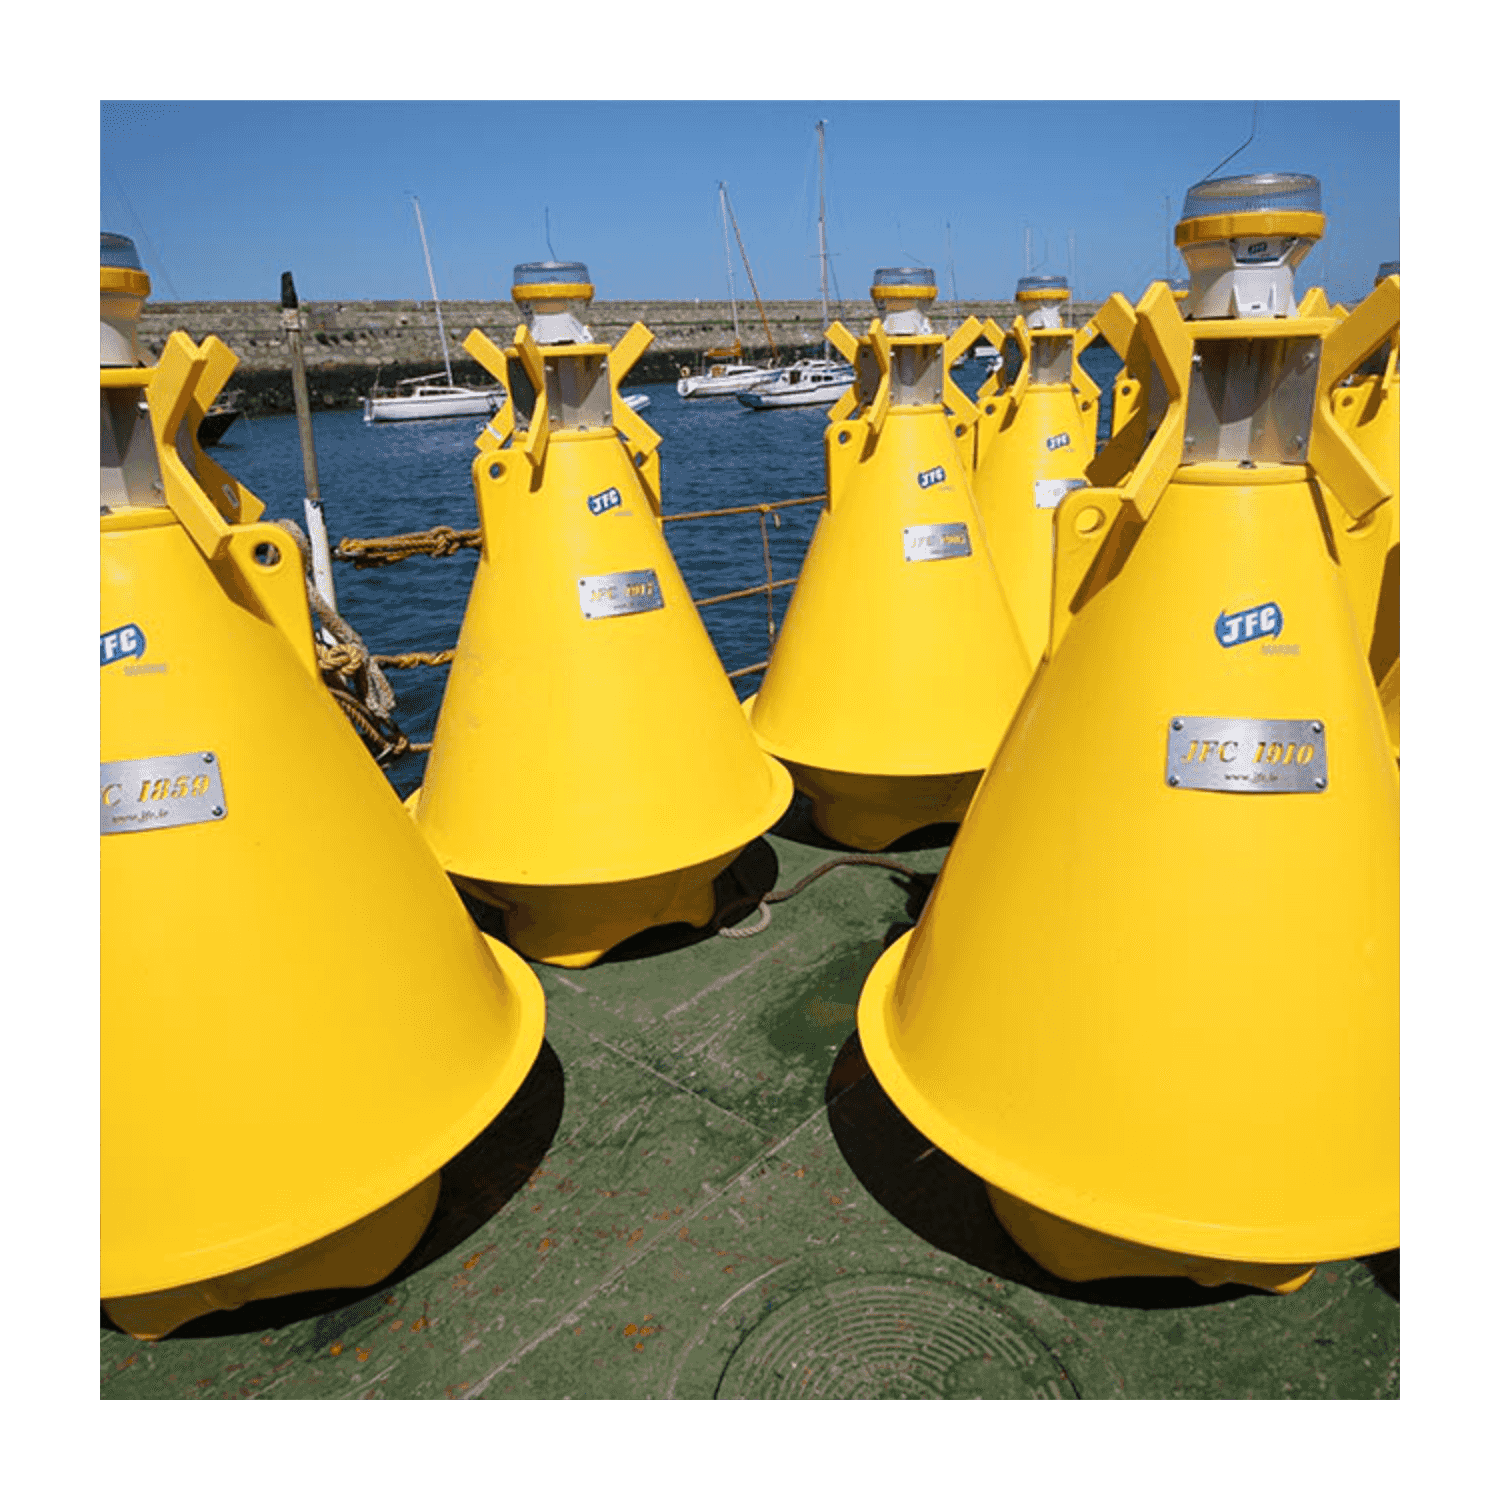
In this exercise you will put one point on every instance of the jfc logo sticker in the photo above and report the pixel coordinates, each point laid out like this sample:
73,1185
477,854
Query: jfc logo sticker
1058,440
604,500
122,641
929,477
1248,624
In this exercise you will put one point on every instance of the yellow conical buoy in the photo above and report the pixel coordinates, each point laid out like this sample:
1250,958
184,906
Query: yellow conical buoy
1367,405
1118,1008
1357,372
1033,440
898,665
236,806
591,771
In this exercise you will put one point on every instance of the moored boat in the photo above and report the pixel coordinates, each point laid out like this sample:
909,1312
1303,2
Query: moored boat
807,382
724,371
723,377
432,395
217,420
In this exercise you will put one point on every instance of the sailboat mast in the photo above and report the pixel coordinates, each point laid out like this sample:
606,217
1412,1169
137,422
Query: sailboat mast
822,237
432,282
765,322
734,311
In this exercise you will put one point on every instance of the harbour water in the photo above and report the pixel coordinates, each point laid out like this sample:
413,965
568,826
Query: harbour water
387,478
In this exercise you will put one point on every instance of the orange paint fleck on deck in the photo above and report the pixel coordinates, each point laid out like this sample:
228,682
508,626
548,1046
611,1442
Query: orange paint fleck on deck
337,1350
473,1260
361,1355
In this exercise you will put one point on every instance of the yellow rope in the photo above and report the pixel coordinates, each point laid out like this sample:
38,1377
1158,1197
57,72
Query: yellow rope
377,551
417,658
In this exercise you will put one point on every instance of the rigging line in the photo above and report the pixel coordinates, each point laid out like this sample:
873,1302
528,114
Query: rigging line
1254,107
547,231
135,219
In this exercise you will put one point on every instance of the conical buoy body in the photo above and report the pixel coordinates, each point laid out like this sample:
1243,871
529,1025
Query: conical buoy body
898,665
1122,1008
591,771
1031,453
238,810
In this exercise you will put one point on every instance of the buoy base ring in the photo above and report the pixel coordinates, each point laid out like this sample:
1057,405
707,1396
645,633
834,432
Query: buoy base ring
872,812
1075,1253
573,926
361,1254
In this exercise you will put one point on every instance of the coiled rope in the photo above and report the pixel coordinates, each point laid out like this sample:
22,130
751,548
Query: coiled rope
350,673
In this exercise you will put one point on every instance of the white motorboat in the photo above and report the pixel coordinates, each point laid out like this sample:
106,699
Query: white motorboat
724,371
432,395
807,382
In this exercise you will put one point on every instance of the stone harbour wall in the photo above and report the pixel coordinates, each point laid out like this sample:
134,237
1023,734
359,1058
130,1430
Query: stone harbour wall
347,345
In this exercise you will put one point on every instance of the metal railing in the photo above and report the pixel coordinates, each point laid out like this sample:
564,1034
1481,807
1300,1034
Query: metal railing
446,541
772,583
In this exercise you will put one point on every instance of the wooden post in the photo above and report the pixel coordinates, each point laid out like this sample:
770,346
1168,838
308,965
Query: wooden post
312,504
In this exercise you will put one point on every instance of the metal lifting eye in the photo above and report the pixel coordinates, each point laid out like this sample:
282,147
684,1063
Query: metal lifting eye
267,554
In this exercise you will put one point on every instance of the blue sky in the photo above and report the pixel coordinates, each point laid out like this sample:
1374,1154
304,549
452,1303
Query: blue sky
630,187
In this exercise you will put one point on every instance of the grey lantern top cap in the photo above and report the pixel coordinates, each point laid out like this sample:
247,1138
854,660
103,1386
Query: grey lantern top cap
115,250
1387,268
904,276
1041,284
546,272
1255,191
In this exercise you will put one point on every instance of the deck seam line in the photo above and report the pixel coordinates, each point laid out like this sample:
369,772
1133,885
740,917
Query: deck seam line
673,1083
719,984
480,1386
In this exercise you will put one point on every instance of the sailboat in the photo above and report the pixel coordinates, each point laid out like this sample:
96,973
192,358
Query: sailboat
807,382
724,372
431,395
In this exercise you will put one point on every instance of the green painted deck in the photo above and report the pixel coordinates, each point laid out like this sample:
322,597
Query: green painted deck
702,1192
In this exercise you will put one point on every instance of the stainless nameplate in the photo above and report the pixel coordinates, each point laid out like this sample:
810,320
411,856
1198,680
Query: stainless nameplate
1048,494
626,593
1247,755
161,791
926,543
